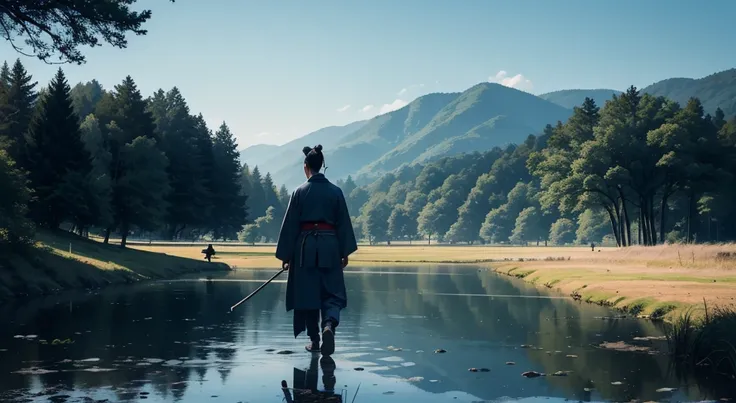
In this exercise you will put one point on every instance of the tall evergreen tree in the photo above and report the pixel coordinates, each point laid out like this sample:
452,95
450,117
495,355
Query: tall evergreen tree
284,196
123,117
21,100
228,209
181,141
56,156
85,97
257,197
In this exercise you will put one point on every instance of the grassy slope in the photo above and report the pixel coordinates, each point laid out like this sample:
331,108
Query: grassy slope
715,90
50,267
660,280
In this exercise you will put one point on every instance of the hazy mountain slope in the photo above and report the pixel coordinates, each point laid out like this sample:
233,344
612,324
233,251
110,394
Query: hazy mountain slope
715,90
476,110
572,98
257,154
271,158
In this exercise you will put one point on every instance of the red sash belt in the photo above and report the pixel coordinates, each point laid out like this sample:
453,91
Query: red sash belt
317,226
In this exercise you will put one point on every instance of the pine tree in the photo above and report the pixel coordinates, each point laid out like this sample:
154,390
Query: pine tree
284,196
21,99
142,188
257,197
123,117
203,140
229,214
85,97
57,158
246,190
181,139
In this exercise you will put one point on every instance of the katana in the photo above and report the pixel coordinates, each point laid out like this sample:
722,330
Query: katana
257,289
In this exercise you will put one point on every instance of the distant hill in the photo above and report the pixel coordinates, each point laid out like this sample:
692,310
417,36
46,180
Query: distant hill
572,98
257,154
272,158
715,90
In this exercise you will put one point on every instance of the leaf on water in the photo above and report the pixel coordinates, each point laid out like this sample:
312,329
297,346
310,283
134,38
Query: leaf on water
359,368
392,348
473,369
389,392
617,383
440,351
285,352
532,374
510,363
665,390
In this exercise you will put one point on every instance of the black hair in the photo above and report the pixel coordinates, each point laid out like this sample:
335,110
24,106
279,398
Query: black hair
313,158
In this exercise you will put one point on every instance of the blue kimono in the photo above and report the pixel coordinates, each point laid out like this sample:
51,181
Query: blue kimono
316,281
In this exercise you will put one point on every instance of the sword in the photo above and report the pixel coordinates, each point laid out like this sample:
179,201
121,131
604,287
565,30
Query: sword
257,289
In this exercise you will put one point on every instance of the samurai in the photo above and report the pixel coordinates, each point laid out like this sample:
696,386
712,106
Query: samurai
314,244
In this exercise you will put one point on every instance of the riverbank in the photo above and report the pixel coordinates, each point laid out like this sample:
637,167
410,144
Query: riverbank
50,266
661,281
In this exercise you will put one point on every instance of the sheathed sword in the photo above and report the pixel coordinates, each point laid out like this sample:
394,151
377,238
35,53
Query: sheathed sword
257,289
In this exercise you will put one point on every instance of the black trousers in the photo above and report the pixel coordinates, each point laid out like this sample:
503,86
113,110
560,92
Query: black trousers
330,312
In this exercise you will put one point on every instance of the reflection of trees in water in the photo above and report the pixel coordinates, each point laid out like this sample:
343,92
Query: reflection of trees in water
552,324
187,317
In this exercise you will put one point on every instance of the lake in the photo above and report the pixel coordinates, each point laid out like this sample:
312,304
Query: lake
177,341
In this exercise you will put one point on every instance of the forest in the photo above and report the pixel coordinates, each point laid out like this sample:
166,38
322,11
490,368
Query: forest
640,170
113,163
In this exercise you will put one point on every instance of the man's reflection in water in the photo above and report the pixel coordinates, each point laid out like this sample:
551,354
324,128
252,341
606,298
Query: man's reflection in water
305,383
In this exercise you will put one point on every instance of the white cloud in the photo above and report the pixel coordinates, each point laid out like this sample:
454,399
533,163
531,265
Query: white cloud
397,104
344,108
518,81
403,91
367,108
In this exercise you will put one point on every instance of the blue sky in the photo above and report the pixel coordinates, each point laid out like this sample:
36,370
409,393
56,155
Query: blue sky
277,69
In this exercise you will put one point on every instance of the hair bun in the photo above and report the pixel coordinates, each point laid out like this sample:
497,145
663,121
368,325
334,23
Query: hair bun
318,148
306,150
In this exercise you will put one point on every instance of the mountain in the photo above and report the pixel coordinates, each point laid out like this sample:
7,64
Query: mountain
257,154
273,158
714,91
572,98
434,126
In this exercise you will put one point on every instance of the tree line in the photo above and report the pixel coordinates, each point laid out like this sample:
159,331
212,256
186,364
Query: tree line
86,159
640,170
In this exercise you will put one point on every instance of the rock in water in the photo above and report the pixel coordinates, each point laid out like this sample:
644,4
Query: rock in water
532,374
473,369
285,352
440,351
510,363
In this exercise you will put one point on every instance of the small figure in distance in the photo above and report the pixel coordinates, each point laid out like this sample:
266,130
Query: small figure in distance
592,246
209,252
314,243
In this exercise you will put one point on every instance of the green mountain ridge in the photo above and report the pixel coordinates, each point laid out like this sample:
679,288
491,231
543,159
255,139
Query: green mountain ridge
444,124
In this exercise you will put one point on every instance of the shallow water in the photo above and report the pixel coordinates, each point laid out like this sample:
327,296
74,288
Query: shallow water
176,341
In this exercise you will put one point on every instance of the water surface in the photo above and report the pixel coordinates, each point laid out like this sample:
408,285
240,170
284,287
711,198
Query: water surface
176,341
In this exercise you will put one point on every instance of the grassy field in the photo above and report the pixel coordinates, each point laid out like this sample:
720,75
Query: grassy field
658,281
50,267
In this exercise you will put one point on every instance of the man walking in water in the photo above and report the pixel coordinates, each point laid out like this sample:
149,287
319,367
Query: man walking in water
315,241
